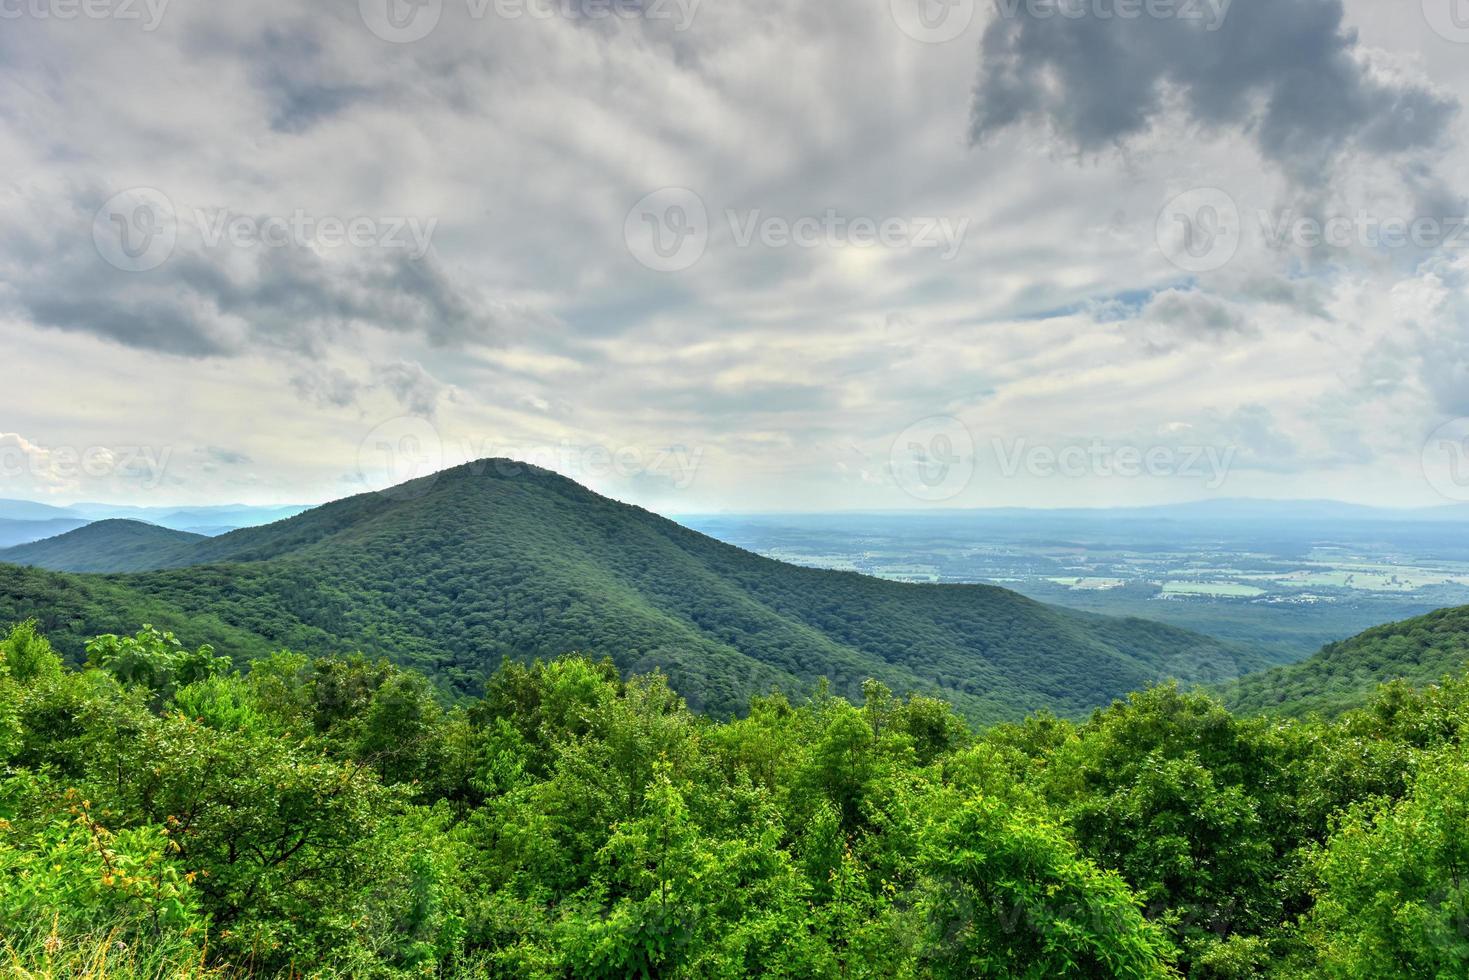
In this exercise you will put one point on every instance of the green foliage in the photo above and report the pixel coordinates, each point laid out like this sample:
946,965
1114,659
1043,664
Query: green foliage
154,660
1008,896
1394,892
1344,675
165,816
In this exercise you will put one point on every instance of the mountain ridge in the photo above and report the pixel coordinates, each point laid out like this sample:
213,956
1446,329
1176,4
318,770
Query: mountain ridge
455,571
1343,675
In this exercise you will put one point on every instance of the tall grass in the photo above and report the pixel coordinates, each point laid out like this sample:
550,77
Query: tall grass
45,953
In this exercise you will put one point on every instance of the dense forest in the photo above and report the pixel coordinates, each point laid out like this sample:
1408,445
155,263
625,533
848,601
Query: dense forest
165,814
1418,650
453,573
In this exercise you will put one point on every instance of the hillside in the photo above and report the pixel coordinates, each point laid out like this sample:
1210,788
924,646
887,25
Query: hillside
455,572
106,546
1343,675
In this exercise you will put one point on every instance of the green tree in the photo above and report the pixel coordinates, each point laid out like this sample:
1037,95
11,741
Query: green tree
1006,895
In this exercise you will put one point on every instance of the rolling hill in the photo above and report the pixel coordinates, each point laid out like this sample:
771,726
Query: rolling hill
106,546
456,571
1343,675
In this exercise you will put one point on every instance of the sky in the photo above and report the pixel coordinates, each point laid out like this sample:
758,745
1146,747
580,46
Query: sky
739,255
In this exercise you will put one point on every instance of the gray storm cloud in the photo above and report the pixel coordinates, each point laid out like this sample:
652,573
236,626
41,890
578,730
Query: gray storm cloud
1286,72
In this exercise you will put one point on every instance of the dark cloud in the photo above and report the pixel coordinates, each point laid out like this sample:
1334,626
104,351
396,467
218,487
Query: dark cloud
151,321
1287,72
327,387
226,457
416,390
407,381
223,300
1175,317
289,69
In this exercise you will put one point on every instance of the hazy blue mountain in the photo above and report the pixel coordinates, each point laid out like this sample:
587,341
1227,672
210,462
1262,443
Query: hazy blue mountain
28,510
16,532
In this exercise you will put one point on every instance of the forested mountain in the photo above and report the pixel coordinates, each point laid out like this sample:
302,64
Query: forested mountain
1343,675
105,546
490,560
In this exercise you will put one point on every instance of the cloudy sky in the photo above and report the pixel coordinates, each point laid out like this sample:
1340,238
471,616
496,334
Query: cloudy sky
737,254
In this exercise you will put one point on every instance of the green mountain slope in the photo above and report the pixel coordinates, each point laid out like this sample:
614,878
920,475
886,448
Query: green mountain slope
454,572
1344,675
105,546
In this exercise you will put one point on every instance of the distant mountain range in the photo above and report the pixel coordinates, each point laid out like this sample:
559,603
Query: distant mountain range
1228,509
14,532
490,560
216,519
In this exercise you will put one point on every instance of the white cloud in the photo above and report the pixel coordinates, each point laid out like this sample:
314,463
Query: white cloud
529,322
